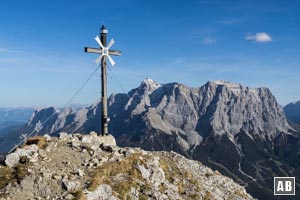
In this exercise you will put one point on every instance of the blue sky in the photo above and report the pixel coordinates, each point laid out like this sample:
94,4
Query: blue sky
255,43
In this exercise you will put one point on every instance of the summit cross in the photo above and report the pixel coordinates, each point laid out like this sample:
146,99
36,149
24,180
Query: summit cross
104,52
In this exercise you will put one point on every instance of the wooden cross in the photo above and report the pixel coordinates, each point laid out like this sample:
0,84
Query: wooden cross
104,52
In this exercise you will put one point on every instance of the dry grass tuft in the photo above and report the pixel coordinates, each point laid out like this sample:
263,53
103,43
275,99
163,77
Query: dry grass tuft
240,193
6,176
40,141
170,168
131,177
80,196
173,174
181,188
208,196
208,174
12,175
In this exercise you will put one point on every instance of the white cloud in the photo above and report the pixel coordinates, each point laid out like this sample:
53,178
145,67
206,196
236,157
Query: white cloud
261,37
209,41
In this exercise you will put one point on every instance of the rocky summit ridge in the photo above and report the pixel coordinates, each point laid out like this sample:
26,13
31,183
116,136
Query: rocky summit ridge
75,166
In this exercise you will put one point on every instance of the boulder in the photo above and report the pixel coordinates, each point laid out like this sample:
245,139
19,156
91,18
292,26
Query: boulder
107,140
103,192
47,137
76,143
69,197
144,172
63,136
27,151
71,186
88,139
12,159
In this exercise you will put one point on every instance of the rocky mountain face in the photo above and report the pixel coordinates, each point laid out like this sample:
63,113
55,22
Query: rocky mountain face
292,112
84,168
240,131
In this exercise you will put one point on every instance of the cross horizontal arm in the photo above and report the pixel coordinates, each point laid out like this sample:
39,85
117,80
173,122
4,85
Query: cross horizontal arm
92,50
114,52
99,51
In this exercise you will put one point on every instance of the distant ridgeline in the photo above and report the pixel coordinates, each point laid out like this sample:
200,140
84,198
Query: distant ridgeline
13,118
15,114
292,111
240,131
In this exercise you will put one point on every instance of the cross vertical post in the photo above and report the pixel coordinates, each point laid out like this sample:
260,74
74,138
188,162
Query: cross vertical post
105,53
104,116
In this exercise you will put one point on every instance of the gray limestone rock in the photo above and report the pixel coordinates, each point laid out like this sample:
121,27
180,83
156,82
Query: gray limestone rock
63,136
76,143
47,137
71,186
69,197
80,172
103,192
144,172
12,159
133,194
27,151
157,175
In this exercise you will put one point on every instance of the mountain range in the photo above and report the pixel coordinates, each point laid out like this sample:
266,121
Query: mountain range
15,114
240,131
14,118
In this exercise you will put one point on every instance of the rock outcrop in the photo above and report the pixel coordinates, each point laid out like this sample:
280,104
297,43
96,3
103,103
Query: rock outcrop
67,170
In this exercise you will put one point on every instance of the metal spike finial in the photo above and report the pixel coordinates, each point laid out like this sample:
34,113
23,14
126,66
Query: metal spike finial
103,29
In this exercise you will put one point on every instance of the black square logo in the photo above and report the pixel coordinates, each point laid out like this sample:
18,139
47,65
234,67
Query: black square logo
284,185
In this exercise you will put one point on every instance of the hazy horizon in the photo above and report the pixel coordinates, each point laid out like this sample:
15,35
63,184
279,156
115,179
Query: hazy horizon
98,99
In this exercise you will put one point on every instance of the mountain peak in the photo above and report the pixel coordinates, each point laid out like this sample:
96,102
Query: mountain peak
234,87
149,85
151,82
226,83
222,82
